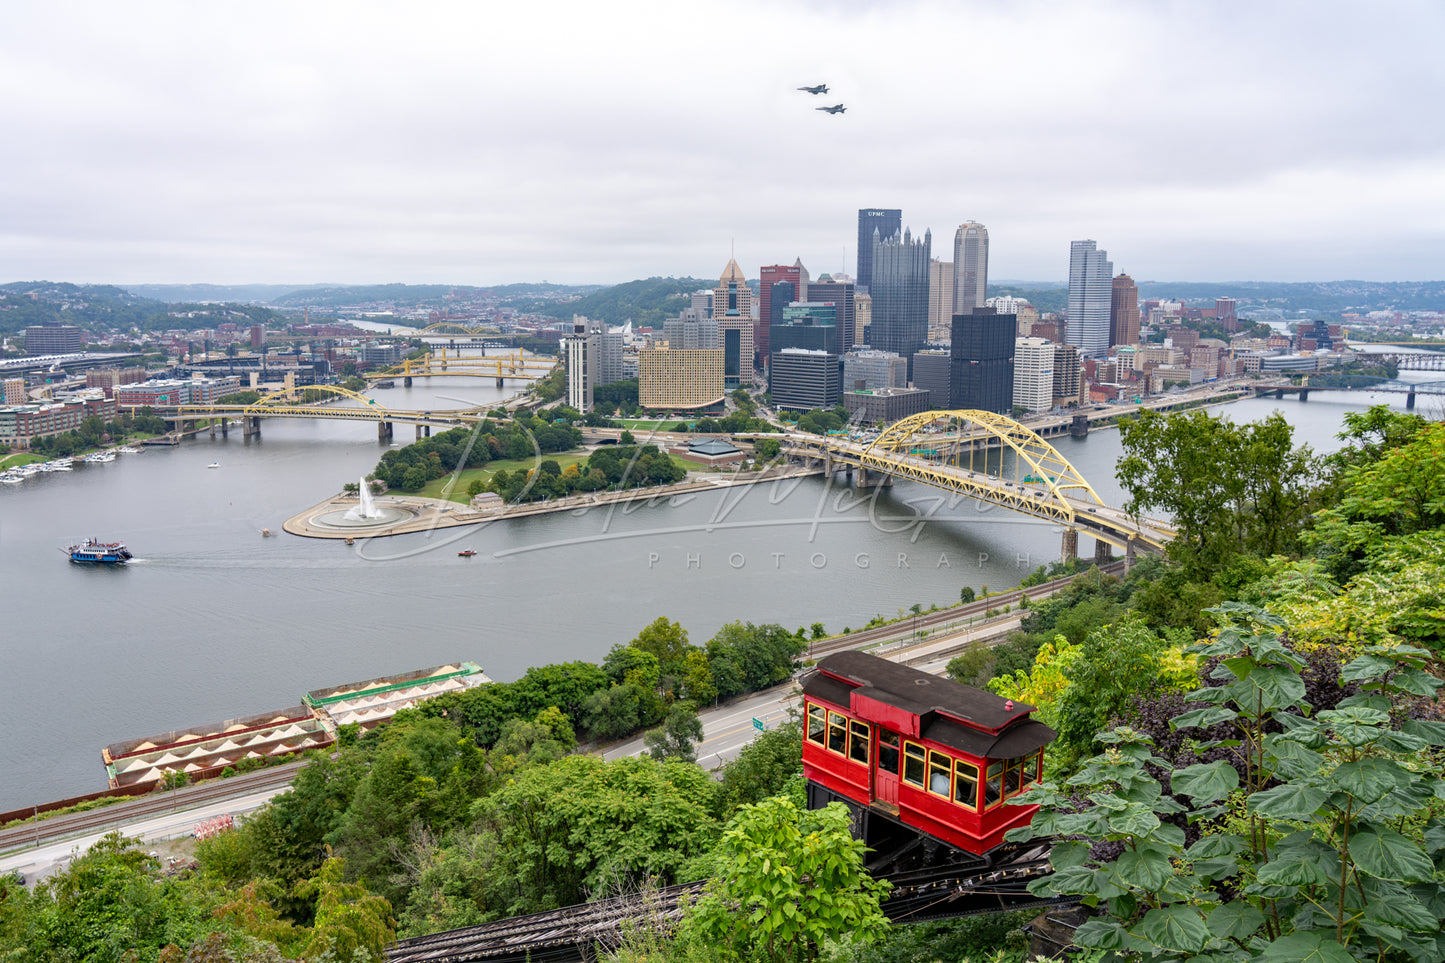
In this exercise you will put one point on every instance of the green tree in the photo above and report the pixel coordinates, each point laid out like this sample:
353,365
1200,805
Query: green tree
351,923
768,766
966,594
1322,841
790,880
678,735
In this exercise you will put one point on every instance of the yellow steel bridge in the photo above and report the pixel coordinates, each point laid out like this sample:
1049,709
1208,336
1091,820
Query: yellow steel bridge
501,367
1043,484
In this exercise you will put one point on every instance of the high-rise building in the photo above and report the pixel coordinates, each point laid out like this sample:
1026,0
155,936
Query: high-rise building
1225,312
940,300
736,337
690,331
981,361
970,266
610,351
53,339
801,380
900,293
732,298
808,324
1033,374
870,369
932,371
1123,311
580,354
680,379
862,316
777,287
1068,374
1091,285
883,221
702,303
838,289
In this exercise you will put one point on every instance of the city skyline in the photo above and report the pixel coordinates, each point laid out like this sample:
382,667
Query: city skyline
468,145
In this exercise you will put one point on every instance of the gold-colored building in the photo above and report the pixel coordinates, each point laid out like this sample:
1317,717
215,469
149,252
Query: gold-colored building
679,379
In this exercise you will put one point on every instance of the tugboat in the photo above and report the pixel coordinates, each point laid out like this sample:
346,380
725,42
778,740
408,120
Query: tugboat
466,553
95,552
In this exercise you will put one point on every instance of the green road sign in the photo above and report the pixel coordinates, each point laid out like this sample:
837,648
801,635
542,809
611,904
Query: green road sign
758,725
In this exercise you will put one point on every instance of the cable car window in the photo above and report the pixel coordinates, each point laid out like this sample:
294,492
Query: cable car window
913,763
965,784
859,746
888,751
993,784
940,768
817,724
837,732
1011,777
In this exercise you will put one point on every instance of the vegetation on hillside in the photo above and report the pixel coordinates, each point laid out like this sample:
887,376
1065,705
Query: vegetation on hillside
644,302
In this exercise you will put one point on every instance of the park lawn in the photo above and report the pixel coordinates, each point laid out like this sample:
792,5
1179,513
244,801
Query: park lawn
17,458
648,424
453,487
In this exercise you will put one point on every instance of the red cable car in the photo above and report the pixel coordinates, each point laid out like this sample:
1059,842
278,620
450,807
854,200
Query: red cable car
939,757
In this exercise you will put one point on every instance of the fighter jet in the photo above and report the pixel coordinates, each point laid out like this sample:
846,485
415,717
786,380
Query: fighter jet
820,89
835,109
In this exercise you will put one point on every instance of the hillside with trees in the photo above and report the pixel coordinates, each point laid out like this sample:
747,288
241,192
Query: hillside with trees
645,302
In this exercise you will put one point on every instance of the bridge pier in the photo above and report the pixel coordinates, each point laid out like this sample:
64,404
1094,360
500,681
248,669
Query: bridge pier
1410,401
1103,552
423,431
383,431
1079,427
1278,392
1070,548
876,479
406,382
1304,394
499,383
225,428
250,425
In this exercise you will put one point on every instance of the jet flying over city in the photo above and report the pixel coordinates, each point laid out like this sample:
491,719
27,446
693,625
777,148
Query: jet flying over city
820,89
835,109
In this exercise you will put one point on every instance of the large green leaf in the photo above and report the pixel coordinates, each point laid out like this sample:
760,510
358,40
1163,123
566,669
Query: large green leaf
1389,902
1292,872
1100,934
1367,667
1176,928
1368,779
1234,921
1136,820
1290,801
1270,687
1291,760
1431,732
1205,782
1312,946
1143,868
1211,846
1388,855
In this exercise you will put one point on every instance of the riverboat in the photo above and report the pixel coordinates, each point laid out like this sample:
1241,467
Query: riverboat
95,552
468,553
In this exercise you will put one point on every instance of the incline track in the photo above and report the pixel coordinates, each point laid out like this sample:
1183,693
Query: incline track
573,933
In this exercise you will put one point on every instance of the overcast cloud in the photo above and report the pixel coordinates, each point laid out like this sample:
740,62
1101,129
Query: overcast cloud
482,142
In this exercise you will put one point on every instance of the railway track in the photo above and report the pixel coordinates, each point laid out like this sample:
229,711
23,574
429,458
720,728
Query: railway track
575,933
77,824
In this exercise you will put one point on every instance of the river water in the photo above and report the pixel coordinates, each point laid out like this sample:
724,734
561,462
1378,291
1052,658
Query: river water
213,621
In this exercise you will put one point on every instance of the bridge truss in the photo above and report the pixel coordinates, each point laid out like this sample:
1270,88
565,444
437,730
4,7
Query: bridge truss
1044,483
518,366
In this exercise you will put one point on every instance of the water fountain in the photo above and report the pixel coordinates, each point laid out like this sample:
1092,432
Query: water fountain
367,510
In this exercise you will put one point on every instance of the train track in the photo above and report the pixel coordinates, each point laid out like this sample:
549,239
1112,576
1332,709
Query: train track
78,824
575,933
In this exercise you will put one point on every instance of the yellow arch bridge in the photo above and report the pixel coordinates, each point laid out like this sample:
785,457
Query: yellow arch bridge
516,367
1043,483
289,403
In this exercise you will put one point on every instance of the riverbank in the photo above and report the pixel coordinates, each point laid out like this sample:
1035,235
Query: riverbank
427,514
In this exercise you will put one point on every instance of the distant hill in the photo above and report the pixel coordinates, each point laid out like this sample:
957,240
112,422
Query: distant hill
1326,298
645,302
197,293
104,308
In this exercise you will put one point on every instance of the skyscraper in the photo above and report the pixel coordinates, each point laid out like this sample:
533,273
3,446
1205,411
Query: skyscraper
1091,285
900,293
778,286
1124,311
579,351
970,267
732,309
885,221
1034,374
981,359
840,291
732,298
940,300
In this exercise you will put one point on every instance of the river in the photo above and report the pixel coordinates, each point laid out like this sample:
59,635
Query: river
213,621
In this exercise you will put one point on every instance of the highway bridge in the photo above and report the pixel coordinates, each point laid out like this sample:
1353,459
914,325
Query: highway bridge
287,404
517,367
1042,484
1343,382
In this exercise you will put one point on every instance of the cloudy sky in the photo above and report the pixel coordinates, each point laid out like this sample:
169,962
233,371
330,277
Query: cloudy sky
484,142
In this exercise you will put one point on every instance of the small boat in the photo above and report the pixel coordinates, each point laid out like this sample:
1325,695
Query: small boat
466,553
214,464
266,533
350,540
92,551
